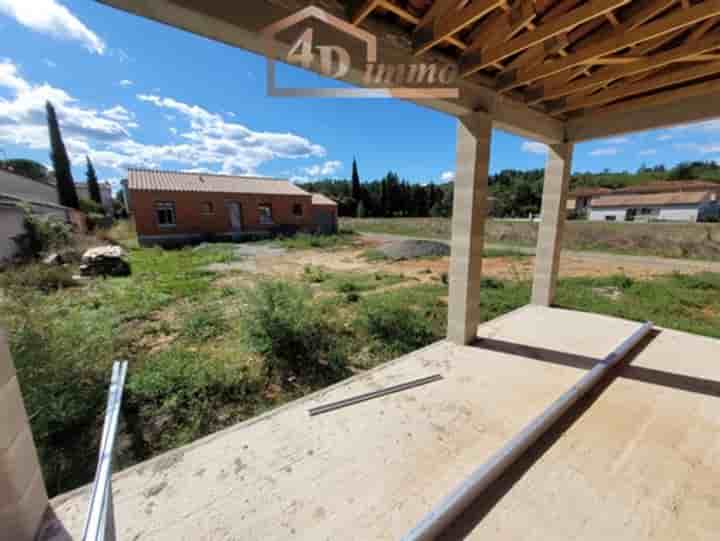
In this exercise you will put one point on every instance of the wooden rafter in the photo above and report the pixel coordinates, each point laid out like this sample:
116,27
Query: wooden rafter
636,66
450,23
554,27
615,43
610,95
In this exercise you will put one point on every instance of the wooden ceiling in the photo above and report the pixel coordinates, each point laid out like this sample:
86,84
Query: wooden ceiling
567,57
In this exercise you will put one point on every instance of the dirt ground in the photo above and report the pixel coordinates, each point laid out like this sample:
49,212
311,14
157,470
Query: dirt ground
292,264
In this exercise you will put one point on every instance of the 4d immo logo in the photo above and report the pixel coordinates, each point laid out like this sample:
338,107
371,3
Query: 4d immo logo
412,81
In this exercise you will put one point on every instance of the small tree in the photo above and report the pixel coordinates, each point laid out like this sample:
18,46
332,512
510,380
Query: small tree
61,163
356,189
92,182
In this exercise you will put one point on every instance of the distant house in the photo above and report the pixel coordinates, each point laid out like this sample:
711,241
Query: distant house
685,206
173,207
106,197
580,199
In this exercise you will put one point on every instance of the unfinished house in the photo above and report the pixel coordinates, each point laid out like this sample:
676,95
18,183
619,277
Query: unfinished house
543,424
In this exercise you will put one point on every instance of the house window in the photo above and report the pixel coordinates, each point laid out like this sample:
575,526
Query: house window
207,208
297,209
610,218
265,214
165,212
645,211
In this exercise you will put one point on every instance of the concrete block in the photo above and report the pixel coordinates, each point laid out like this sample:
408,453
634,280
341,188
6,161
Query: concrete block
469,209
13,418
20,522
7,368
550,230
18,466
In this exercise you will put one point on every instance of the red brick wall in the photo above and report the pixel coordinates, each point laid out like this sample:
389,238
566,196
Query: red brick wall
190,220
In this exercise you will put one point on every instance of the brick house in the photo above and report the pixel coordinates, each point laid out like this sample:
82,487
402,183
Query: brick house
172,207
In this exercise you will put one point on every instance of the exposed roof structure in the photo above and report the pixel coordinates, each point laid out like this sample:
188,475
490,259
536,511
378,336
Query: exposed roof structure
320,200
651,199
568,57
671,186
175,181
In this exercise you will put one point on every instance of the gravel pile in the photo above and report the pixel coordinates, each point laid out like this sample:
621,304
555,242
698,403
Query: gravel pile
414,249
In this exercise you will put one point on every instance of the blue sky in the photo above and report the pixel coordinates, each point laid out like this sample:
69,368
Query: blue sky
132,92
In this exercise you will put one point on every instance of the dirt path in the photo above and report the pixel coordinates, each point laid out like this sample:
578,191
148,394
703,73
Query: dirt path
578,263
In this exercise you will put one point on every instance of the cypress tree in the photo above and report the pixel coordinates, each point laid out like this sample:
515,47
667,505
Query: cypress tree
92,182
355,182
61,163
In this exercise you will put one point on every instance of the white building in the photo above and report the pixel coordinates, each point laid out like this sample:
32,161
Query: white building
668,206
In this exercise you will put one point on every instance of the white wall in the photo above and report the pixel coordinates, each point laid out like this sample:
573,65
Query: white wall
11,225
675,213
684,213
599,215
27,188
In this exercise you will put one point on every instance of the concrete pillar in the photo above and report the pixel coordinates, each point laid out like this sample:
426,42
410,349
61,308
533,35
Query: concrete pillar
474,134
552,223
23,499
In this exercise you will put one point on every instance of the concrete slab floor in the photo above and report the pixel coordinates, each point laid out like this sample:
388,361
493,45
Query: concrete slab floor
641,461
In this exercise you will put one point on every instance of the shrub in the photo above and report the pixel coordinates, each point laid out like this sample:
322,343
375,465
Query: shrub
176,395
314,275
88,206
205,324
346,286
42,234
37,276
396,327
295,337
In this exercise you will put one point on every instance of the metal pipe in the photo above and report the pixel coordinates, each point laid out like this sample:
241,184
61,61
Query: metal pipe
97,525
439,518
374,394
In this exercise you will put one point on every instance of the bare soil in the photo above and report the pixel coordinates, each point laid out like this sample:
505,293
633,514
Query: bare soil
292,264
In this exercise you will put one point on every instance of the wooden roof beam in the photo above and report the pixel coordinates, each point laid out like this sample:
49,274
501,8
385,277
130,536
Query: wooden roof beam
618,40
450,23
363,10
693,103
623,91
553,27
636,66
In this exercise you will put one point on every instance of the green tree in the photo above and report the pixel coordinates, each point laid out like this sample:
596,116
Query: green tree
356,188
361,212
61,163
92,182
26,168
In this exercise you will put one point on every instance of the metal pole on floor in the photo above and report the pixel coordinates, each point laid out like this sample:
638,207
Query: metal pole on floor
450,508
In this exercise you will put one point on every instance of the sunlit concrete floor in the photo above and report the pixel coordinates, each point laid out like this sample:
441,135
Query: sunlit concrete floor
639,459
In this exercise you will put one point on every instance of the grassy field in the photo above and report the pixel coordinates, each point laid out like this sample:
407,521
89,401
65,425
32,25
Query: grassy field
204,356
685,240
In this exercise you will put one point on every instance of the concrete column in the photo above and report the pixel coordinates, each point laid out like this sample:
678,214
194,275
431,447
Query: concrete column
474,134
552,224
23,499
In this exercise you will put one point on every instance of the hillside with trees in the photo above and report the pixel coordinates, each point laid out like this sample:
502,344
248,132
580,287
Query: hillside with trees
516,193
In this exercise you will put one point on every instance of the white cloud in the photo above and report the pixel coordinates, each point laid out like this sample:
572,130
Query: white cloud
534,147
448,176
126,82
648,152
234,147
605,151
118,113
51,17
324,169
23,115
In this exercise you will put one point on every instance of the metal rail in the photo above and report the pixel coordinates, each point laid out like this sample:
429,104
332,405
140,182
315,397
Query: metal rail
100,521
374,394
440,517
